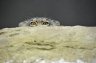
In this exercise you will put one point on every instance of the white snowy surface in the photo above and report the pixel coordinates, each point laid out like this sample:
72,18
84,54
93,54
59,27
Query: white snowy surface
73,44
40,60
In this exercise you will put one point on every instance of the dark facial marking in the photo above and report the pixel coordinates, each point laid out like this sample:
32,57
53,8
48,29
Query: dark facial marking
45,23
33,23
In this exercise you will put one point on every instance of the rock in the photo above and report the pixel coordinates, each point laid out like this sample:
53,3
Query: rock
55,44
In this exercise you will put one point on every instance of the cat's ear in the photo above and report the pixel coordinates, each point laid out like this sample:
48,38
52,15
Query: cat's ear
24,23
54,23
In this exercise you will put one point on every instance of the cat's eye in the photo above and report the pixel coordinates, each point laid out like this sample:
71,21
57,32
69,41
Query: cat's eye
45,23
33,23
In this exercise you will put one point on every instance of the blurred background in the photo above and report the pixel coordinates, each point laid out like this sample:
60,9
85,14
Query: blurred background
68,12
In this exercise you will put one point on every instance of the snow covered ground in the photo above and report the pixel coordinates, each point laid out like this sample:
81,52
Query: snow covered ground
55,44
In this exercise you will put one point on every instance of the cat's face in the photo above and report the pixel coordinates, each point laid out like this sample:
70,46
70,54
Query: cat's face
39,22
